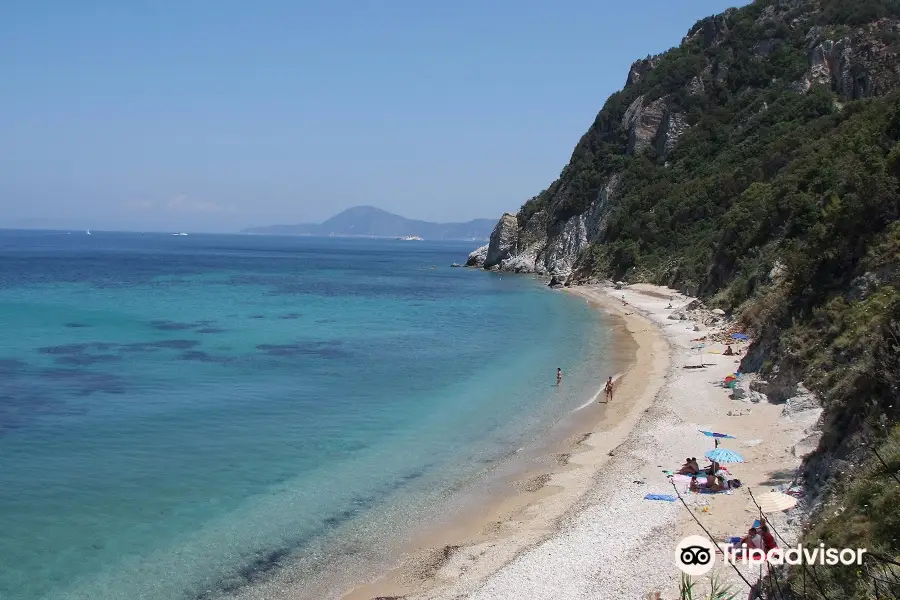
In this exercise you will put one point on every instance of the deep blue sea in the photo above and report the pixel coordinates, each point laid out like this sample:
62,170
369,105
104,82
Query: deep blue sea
183,416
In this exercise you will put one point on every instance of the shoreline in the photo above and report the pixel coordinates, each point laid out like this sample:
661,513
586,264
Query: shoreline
453,560
588,532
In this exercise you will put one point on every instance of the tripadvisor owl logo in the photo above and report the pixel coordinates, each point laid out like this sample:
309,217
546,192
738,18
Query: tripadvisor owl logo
695,555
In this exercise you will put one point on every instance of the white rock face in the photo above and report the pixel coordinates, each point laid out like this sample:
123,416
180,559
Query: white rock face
562,253
643,123
477,257
503,242
531,250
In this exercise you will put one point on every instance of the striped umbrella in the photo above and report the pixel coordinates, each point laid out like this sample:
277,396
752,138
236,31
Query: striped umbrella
775,502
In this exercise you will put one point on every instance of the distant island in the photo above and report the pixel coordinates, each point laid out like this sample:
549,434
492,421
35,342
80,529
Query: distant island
369,221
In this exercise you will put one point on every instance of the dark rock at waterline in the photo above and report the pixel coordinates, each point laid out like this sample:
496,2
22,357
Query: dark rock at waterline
556,282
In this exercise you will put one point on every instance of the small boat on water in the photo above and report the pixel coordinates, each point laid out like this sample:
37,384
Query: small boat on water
179,233
410,238
87,232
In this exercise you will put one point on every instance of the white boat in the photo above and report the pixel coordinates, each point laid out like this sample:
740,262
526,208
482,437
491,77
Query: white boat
87,231
411,238
179,233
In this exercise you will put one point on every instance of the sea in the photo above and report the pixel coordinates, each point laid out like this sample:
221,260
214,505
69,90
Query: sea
186,417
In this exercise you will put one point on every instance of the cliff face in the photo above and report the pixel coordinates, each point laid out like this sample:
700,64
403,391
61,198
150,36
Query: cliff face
758,165
774,46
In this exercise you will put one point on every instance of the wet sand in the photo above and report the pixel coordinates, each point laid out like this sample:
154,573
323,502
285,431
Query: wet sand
581,528
455,558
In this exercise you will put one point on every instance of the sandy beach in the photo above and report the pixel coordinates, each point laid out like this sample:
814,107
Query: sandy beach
581,527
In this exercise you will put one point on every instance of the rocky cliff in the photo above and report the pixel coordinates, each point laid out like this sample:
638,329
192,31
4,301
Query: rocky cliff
774,46
758,165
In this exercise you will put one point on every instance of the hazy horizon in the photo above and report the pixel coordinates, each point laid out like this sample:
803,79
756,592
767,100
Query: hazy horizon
127,118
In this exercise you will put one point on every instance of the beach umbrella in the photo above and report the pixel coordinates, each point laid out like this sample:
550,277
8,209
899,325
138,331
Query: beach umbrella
740,336
723,455
716,434
775,502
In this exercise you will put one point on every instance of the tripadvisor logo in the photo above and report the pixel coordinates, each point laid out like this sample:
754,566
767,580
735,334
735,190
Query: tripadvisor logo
696,555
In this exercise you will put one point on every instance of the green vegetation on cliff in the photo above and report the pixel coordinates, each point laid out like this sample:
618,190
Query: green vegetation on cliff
759,164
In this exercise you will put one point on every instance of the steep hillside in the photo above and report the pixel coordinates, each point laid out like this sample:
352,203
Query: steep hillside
757,164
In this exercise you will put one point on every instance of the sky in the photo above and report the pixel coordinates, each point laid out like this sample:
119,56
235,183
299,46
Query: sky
196,115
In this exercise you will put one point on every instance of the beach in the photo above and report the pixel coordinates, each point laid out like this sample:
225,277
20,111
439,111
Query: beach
583,528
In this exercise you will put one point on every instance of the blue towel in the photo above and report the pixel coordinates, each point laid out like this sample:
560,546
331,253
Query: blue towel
664,497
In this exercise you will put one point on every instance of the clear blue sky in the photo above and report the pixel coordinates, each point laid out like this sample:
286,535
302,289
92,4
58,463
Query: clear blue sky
214,116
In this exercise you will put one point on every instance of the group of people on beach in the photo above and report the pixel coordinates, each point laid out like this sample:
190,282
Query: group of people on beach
759,538
717,479
608,389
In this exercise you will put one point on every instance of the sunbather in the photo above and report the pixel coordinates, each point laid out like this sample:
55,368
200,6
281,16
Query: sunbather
752,539
716,483
768,540
690,467
728,351
695,485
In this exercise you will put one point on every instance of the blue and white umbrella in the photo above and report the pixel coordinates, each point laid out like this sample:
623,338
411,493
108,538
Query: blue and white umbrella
740,336
723,455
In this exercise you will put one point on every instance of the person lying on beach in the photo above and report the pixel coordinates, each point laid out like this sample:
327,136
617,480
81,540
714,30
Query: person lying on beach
716,483
609,389
695,485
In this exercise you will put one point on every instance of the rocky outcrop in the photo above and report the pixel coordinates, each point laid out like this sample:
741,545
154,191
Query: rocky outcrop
709,32
543,247
477,257
859,65
672,127
639,68
503,242
643,123
553,229
652,125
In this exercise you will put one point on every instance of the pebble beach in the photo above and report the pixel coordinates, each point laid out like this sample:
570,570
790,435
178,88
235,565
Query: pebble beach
592,534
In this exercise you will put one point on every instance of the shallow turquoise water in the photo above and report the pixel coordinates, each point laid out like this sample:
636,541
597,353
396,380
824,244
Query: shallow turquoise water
182,416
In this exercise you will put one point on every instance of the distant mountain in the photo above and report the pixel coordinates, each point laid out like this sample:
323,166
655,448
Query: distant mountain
373,222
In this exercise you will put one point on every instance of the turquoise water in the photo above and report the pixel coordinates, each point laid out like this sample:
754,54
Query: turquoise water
182,417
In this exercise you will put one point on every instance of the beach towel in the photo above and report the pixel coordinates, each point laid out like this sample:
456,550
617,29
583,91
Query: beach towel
663,497
704,491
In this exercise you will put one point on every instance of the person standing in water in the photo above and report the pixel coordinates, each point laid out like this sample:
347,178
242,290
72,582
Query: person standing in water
558,376
609,390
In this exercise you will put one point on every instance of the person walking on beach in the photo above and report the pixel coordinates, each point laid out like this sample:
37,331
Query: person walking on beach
609,390
558,376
